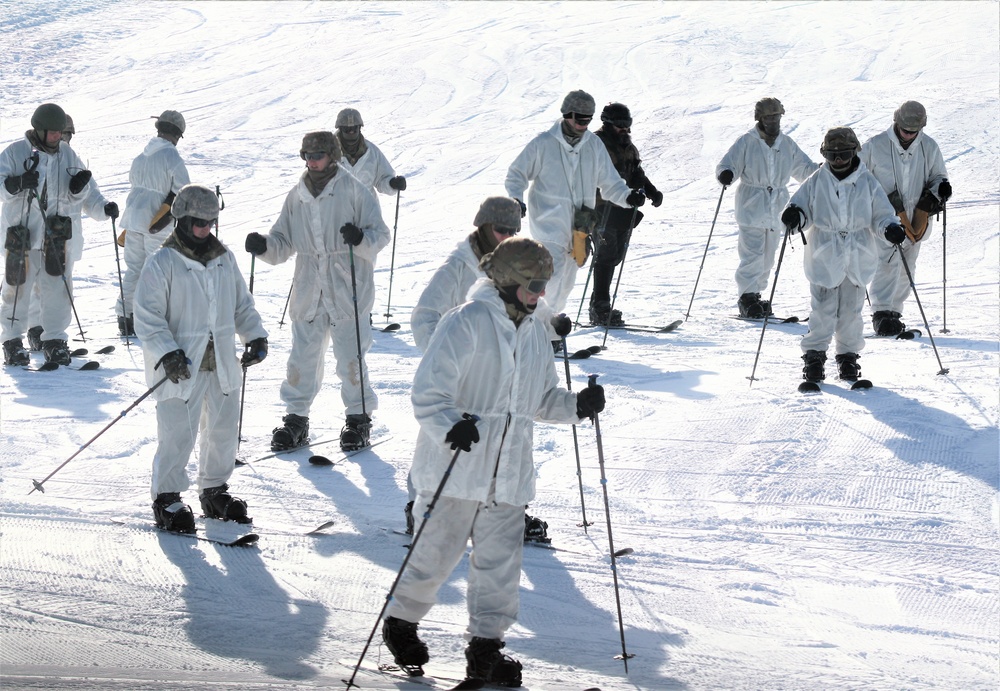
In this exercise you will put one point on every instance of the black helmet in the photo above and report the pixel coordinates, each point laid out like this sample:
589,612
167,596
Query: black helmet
617,114
49,116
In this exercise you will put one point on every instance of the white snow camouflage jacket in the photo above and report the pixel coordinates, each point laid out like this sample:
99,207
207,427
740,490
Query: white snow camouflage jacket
563,179
155,173
845,220
906,170
478,362
54,172
179,303
447,288
309,227
763,172
373,169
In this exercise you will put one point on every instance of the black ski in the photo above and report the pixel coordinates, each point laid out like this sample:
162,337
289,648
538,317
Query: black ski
389,328
772,319
80,352
645,328
390,671
282,452
582,354
324,461
904,335
242,541
52,366
814,387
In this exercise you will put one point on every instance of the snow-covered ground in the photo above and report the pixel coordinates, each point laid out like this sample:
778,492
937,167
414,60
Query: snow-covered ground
840,541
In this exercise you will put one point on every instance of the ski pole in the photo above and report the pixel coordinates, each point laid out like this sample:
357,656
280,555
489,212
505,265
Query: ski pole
590,272
222,205
243,387
282,321
72,304
392,262
357,331
621,268
118,263
705,254
409,553
770,299
592,381
576,443
913,287
944,267
38,485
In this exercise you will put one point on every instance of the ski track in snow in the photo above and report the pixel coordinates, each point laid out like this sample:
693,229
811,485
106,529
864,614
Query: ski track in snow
839,540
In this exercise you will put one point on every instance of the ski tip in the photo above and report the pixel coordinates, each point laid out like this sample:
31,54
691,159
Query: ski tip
790,320
469,685
595,349
246,540
106,349
79,352
580,355
809,387
672,326
861,385
390,328
320,460
92,365
624,552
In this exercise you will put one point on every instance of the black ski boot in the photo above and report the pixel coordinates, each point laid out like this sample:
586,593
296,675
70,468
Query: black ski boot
56,351
173,514
355,433
126,326
847,364
813,370
292,434
35,339
408,651
888,323
766,306
217,502
751,307
535,529
14,353
486,662
601,314
408,510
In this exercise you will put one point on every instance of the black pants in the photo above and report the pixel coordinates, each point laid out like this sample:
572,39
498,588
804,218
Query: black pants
611,252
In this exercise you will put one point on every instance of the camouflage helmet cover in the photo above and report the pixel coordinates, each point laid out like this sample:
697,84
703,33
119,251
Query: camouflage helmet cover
840,139
172,118
500,211
517,261
197,201
910,116
349,117
69,127
767,106
578,102
321,141
48,116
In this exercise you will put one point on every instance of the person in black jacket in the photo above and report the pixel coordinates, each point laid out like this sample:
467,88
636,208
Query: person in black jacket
615,132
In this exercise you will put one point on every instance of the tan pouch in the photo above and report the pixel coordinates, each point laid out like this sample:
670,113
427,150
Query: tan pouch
121,238
582,247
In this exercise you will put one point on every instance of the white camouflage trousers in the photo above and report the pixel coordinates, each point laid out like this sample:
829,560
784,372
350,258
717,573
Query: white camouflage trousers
891,287
756,248
41,297
138,248
836,313
497,533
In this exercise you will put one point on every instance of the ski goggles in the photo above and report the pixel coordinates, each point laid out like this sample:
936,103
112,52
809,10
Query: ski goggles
505,230
909,133
313,155
535,286
839,155
579,118
203,222
622,124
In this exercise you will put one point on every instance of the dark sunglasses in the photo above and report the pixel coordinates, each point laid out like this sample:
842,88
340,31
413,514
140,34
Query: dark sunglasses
505,230
620,124
911,133
840,155
581,119
313,155
202,222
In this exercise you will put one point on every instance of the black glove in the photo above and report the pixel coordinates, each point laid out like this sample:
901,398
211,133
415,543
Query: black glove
894,233
256,244
79,181
944,190
655,195
463,435
398,183
636,199
175,365
562,325
352,234
26,181
590,401
794,218
726,178
111,210
524,209
255,351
